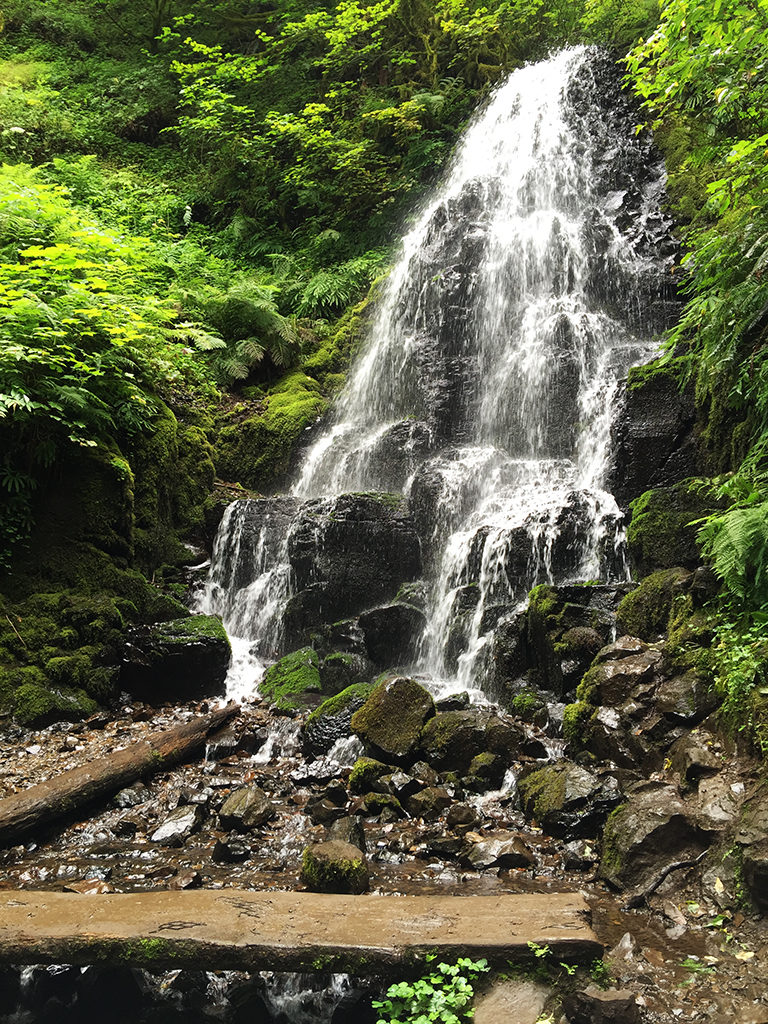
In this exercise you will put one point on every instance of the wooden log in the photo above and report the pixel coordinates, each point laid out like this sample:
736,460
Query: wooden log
65,794
289,931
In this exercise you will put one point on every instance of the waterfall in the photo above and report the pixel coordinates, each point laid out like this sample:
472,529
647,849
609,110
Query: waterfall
527,287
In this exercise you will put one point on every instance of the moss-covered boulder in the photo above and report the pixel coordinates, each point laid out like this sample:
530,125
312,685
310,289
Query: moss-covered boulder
334,866
37,703
645,611
341,669
183,659
568,800
391,720
290,681
451,740
331,720
365,772
662,530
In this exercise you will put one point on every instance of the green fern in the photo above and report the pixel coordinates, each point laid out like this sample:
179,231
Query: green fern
737,544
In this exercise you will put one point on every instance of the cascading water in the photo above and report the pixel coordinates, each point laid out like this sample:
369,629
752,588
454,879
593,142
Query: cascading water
526,289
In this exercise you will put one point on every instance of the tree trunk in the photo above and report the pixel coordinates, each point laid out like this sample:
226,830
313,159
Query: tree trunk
63,795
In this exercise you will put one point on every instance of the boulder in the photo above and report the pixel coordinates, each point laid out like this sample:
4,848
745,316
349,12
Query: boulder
391,720
652,829
246,809
334,866
686,698
596,1006
662,530
331,720
614,680
450,741
567,800
429,803
179,825
341,669
289,683
230,851
497,850
182,660
347,554
349,830
391,633
645,611
365,772
692,757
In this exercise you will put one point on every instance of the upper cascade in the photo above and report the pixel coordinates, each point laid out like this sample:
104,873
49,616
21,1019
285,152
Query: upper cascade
529,284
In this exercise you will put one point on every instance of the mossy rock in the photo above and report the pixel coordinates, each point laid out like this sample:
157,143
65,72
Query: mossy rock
576,719
334,866
662,531
37,704
391,720
255,444
645,611
365,772
183,659
331,720
288,682
376,804
341,669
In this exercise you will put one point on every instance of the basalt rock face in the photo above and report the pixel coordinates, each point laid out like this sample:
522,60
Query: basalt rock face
179,660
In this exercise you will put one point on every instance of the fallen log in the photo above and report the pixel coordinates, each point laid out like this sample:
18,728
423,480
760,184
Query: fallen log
289,931
60,797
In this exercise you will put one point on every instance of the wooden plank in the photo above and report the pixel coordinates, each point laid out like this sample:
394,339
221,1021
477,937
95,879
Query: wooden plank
61,797
288,931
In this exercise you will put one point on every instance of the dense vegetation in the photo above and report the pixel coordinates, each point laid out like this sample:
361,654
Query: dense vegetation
196,199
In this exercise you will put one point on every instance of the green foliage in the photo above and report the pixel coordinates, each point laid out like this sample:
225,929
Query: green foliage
442,996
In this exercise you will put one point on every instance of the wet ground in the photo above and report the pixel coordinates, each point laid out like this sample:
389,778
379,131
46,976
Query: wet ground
686,955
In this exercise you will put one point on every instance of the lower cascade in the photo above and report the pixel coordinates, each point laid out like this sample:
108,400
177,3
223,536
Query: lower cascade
468,458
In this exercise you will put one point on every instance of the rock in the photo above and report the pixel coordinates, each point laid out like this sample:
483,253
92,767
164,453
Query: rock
230,851
348,554
652,829
499,849
486,771
645,611
755,869
391,720
288,682
686,698
246,809
692,757
181,660
579,855
349,830
132,796
383,806
179,825
328,805
567,800
355,1007
227,741
334,866
331,720
462,817
456,702
613,681
365,772
511,1001
401,785
718,803
10,989
429,803
342,669
186,880
654,440
451,740
391,633
662,530
595,1006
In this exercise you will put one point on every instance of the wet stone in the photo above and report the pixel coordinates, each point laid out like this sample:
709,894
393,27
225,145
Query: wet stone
429,803
499,850
349,830
230,851
334,866
131,796
179,826
594,1006
246,809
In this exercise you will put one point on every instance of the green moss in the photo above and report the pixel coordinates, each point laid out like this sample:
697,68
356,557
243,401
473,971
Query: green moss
645,611
194,627
341,874
36,704
365,771
254,445
588,690
576,718
295,675
662,531
526,704
611,858
355,694
391,720
375,803
543,600
543,791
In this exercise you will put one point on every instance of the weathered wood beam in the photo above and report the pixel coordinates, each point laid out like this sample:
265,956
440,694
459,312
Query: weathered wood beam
287,931
71,791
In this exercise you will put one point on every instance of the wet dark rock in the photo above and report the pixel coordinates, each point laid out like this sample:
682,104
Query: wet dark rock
391,720
663,528
425,773
755,868
347,554
341,669
651,830
230,851
462,817
323,811
383,806
179,826
187,880
613,681
185,659
451,740
132,796
355,1007
568,800
391,633
719,803
456,702
654,441
497,850
334,866
687,698
429,803
10,989
579,855
246,809
365,772
331,720
692,757
645,611
112,993
248,1003
486,771
612,737
349,830
49,988
595,1006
